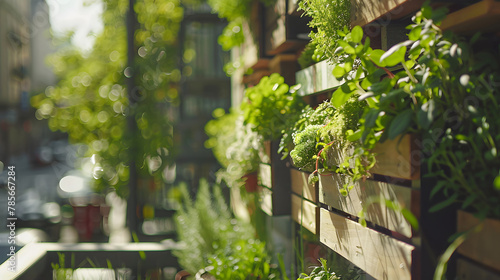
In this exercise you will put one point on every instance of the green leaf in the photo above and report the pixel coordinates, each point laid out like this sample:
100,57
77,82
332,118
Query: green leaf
338,72
437,188
375,56
415,33
469,201
394,55
353,136
496,183
341,95
408,215
371,117
450,200
400,123
357,34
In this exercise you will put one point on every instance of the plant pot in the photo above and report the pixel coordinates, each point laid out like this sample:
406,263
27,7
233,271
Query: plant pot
251,182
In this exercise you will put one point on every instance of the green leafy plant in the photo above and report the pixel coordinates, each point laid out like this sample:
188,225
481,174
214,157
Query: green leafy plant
305,152
232,35
342,269
237,13
446,91
309,56
205,226
323,130
327,17
308,116
236,146
217,242
271,106
90,102
320,273
249,261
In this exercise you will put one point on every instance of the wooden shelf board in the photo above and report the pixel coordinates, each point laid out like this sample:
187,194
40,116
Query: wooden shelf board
377,254
305,213
483,16
301,187
398,158
483,246
364,12
361,194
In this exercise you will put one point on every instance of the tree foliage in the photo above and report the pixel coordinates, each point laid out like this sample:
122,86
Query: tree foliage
90,100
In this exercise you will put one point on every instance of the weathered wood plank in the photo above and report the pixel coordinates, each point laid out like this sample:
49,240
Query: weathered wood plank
305,213
266,200
265,176
483,16
482,246
301,187
286,65
377,254
316,78
362,196
398,158
367,11
467,270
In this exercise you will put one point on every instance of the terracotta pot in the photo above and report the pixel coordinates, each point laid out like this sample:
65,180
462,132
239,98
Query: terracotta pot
251,182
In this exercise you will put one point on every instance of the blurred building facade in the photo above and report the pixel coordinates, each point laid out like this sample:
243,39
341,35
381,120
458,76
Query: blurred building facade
205,87
24,44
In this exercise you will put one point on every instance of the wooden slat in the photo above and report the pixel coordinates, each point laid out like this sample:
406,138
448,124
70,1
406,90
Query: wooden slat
467,270
287,33
266,200
301,187
286,65
305,213
316,78
377,254
398,158
265,175
273,12
249,50
482,246
361,194
366,11
483,16
292,7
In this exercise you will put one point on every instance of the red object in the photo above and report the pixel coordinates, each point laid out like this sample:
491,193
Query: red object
251,182
87,221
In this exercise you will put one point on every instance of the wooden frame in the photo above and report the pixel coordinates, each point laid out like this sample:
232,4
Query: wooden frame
377,254
482,246
316,78
305,213
369,197
364,12
301,186
398,158
482,16
284,30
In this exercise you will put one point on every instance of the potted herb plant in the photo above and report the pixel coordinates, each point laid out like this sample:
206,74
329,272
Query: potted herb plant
237,148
